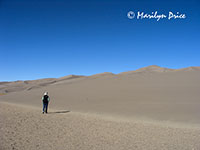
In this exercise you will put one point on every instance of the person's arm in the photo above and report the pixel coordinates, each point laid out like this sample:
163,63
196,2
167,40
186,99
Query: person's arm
48,99
42,98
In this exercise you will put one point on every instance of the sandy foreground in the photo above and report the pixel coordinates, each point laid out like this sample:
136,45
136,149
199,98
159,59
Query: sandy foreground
26,128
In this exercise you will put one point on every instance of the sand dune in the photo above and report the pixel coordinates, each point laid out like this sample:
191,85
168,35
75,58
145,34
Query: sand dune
162,105
99,75
7,87
150,92
152,68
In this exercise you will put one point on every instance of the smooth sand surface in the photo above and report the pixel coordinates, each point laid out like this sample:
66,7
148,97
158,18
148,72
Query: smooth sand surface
150,108
25,128
152,92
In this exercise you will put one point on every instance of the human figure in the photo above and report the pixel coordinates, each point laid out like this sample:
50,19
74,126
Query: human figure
45,100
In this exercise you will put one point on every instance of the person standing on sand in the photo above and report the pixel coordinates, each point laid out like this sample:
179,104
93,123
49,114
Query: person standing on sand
45,100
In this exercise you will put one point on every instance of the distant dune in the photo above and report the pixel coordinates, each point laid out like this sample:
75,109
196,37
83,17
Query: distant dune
6,87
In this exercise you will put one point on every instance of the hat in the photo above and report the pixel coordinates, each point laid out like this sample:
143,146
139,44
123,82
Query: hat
45,93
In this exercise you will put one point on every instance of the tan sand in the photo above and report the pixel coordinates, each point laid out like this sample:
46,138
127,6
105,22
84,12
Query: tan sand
152,92
26,128
150,108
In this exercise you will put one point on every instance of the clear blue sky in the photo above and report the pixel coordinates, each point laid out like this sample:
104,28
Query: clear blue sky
54,38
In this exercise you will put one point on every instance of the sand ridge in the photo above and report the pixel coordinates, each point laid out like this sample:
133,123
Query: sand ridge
6,87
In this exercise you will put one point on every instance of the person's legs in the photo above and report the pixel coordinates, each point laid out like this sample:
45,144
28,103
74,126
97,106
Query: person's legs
43,107
46,107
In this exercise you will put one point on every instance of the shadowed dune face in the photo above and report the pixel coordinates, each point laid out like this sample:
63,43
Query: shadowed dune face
151,92
16,86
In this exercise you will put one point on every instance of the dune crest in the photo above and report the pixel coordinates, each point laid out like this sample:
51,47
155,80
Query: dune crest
154,68
16,86
107,74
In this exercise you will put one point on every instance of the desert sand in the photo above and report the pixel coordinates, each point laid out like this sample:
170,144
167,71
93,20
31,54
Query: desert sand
149,108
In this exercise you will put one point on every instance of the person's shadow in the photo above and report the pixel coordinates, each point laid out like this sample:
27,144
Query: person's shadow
59,112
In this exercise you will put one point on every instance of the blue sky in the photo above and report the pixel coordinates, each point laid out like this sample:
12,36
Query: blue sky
54,38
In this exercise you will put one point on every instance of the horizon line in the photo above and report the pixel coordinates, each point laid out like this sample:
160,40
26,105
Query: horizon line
100,73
